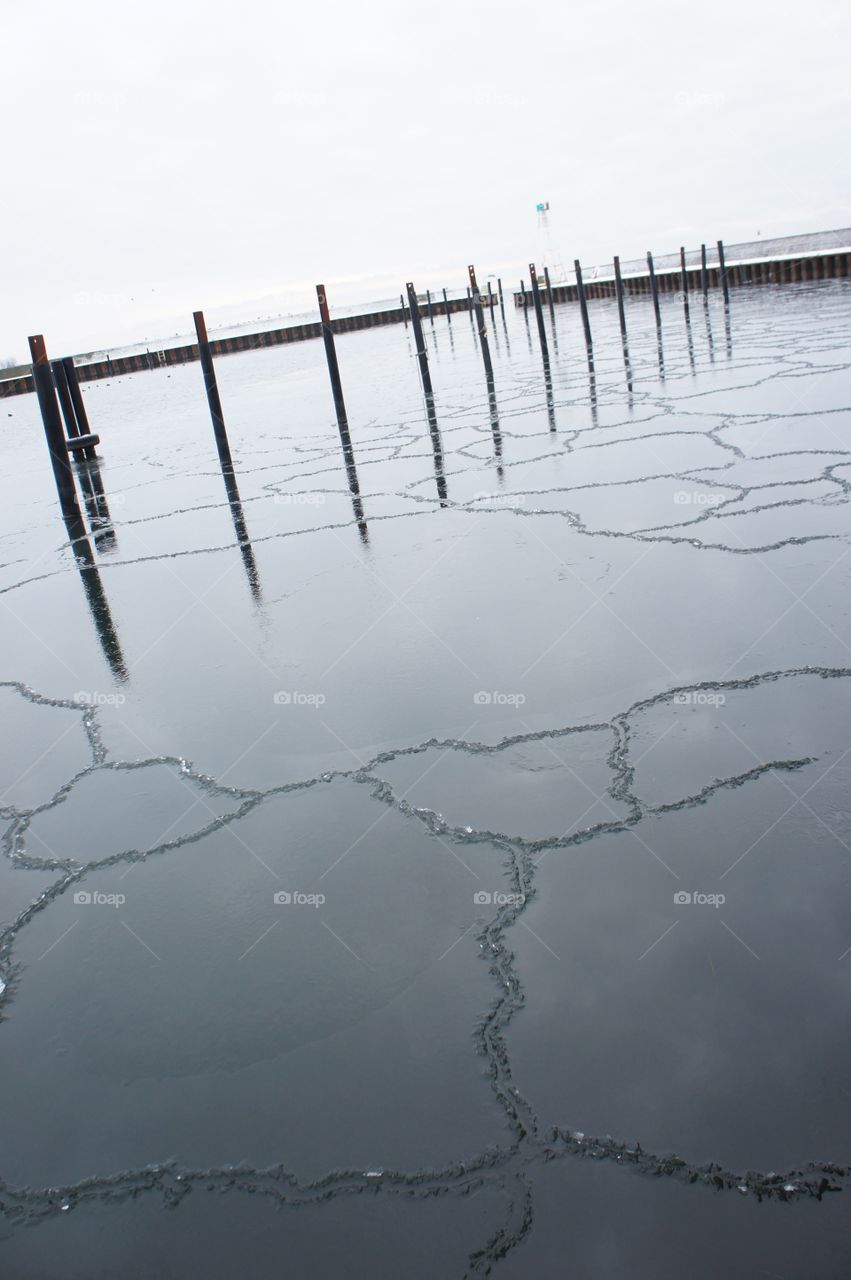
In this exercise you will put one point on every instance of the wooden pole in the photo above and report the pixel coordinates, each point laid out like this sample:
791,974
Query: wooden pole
212,389
483,332
722,272
539,311
580,289
619,292
52,421
333,367
654,289
419,340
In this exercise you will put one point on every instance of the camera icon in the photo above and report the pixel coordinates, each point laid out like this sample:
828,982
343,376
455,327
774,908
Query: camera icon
282,698
682,898
283,899
82,898
482,698
482,898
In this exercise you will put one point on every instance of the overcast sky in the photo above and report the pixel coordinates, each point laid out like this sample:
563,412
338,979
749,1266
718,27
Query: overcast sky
166,156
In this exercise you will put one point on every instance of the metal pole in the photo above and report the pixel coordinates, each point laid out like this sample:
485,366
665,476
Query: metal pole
78,403
470,304
60,378
55,436
483,332
446,305
539,313
428,301
703,280
684,281
619,292
722,272
654,290
76,395
550,294
580,289
419,340
523,294
501,299
404,309
212,389
333,367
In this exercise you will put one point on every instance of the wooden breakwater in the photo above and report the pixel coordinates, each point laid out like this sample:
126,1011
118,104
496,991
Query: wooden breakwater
137,361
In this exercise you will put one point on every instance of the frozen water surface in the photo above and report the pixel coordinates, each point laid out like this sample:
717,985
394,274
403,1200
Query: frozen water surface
391,854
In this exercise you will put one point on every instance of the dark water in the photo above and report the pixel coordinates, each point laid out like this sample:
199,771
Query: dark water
349,814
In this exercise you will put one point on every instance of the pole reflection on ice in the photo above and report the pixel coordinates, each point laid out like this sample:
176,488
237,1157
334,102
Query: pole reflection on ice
96,598
709,336
728,331
548,387
592,385
241,530
690,343
437,447
96,504
495,430
661,353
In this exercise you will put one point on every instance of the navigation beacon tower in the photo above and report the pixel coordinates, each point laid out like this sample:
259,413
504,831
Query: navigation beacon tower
548,256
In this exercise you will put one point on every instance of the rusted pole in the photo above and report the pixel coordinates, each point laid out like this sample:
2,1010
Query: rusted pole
684,281
78,403
483,332
580,289
619,292
539,311
722,272
654,289
55,436
76,395
419,340
60,378
550,300
212,389
333,367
